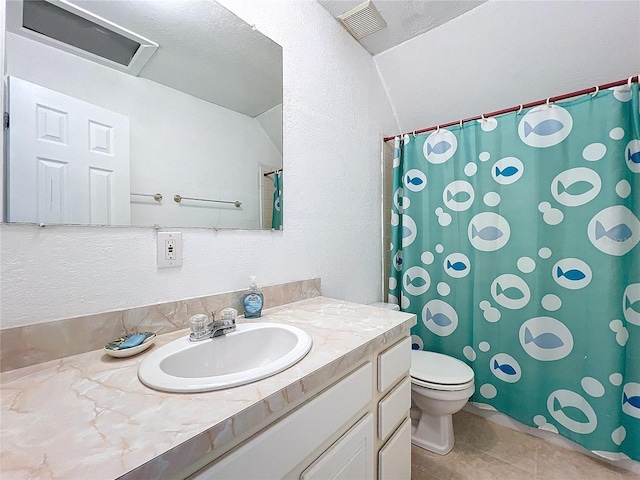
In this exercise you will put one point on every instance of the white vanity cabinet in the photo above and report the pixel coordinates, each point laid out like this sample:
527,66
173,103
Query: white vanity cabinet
354,429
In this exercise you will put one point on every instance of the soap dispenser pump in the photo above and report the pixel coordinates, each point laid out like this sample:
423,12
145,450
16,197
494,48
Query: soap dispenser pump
253,301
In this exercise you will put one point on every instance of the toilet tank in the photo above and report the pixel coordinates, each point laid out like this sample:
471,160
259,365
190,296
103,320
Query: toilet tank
388,306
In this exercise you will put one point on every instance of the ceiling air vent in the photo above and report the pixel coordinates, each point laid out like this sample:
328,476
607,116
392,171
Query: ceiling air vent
363,20
61,24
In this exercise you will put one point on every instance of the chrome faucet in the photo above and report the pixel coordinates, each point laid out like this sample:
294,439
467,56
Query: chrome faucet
200,330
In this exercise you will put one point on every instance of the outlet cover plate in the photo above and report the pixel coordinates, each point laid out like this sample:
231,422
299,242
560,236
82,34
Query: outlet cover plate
163,241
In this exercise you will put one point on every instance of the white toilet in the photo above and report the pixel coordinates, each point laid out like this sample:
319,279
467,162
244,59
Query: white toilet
440,386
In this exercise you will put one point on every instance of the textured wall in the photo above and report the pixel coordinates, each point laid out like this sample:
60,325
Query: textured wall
335,111
501,54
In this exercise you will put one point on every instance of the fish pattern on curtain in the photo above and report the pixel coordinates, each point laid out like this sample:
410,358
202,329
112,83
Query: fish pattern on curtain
276,219
515,242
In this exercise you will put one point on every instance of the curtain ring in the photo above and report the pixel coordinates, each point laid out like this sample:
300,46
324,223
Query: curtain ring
460,123
414,134
549,102
438,129
519,110
629,82
594,94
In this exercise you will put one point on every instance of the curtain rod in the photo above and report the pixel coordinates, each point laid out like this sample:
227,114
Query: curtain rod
593,91
272,172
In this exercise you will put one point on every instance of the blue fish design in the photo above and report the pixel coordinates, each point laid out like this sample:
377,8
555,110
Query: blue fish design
633,157
576,188
416,281
406,232
462,196
414,181
572,274
544,340
574,413
505,368
507,172
619,233
633,401
439,319
398,261
544,128
458,266
635,306
439,148
512,293
486,233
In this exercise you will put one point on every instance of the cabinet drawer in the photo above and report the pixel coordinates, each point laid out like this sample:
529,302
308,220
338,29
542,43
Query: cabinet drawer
394,459
393,364
393,408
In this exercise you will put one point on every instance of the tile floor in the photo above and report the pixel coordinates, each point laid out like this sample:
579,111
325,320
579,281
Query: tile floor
485,450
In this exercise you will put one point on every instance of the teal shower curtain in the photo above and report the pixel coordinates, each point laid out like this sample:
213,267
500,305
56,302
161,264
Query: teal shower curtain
276,219
515,242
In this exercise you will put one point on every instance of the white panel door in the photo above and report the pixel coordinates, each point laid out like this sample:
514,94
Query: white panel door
68,159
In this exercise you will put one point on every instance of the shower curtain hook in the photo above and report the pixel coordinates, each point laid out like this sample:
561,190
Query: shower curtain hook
519,110
594,94
629,82
438,129
483,119
460,123
549,102
414,134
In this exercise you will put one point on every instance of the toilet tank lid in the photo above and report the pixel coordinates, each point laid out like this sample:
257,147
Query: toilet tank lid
388,306
438,368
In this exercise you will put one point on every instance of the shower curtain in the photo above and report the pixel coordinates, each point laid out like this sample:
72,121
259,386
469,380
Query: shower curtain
276,219
515,242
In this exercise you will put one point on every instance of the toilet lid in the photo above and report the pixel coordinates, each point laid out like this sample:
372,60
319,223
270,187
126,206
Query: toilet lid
439,369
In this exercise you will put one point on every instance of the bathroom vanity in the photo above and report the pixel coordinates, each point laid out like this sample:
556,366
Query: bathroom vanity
341,412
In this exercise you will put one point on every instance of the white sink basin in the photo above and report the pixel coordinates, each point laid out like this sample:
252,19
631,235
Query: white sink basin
254,351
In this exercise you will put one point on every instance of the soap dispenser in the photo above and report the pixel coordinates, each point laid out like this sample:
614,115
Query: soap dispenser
253,301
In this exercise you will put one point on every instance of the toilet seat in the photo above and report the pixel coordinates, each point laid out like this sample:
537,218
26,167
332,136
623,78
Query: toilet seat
440,386
439,372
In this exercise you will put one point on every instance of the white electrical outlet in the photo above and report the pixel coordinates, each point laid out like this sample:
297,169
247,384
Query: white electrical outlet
169,246
170,249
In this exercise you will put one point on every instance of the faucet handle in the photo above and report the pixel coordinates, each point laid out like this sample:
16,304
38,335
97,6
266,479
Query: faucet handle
198,324
229,314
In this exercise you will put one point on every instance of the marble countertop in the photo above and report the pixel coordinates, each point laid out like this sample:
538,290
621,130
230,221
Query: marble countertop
89,417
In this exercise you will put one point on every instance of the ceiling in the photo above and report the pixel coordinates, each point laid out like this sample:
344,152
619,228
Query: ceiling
405,19
205,50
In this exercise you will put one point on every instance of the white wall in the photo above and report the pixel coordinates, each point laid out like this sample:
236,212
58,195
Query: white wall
271,123
335,112
504,53
179,144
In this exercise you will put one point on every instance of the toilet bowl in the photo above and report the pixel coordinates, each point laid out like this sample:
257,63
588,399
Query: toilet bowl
440,386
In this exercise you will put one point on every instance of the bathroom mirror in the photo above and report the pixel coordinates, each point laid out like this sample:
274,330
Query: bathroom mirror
130,112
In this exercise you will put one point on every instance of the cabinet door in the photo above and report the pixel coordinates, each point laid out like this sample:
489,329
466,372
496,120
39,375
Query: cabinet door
276,451
350,458
395,457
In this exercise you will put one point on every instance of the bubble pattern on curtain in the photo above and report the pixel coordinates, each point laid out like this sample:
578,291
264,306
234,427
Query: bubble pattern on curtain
515,242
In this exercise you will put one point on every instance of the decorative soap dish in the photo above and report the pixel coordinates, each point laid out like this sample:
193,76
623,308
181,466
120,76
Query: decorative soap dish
138,341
